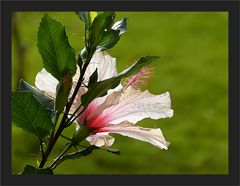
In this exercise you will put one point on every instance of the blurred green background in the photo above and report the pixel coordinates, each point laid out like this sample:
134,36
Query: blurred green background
193,67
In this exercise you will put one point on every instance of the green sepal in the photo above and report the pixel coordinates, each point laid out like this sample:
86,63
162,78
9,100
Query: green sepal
81,134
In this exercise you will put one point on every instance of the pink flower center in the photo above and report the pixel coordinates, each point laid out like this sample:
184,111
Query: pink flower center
94,122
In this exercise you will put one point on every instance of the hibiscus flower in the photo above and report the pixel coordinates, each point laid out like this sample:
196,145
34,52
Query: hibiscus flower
119,110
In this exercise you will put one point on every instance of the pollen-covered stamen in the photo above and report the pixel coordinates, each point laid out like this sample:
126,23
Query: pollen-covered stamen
140,78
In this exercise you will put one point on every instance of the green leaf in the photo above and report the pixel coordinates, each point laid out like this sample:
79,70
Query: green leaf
102,22
93,78
79,154
85,152
100,88
58,56
28,169
29,114
111,38
46,101
143,61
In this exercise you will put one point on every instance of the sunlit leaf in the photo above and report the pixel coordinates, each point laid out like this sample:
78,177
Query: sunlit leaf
58,56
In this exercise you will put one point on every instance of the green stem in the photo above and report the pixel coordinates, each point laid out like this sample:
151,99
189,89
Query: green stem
50,146
70,122
60,156
74,113
55,123
63,123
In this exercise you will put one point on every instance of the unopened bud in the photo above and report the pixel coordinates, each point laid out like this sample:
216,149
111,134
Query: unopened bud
63,90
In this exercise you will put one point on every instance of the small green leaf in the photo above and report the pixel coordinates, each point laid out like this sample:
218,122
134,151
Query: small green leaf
79,154
100,88
86,152
102,22
93,78
46,101
143,61
111,38
28,169
29,114
58,56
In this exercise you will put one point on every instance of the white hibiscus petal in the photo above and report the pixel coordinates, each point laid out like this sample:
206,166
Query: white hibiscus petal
153,136
135,105
105,64
101,140
45,82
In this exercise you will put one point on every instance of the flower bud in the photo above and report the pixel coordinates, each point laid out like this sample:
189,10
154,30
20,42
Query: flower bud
63,90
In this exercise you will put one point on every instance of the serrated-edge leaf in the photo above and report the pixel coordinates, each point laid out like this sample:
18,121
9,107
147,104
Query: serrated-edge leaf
57,54
29,114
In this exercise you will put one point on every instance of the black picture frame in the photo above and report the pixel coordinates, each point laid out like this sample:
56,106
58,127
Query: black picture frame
232,7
